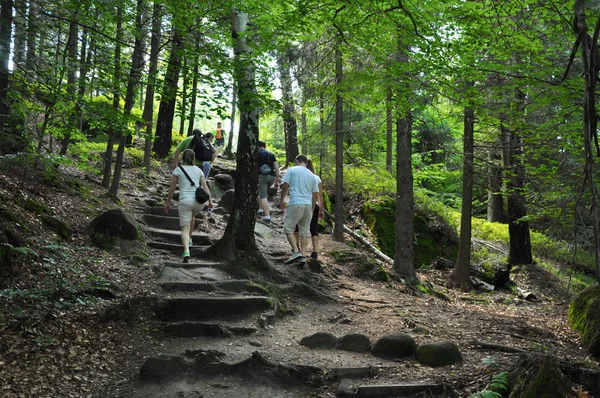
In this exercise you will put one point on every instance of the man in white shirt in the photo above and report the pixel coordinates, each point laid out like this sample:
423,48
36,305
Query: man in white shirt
303,190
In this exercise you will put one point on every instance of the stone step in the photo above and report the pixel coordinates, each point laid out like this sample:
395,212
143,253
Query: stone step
199,238
193,274
235,286
204,308
162,222
202,329
177,248
349,389
160,211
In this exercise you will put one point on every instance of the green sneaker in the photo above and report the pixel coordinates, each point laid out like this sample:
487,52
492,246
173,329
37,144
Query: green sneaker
186,256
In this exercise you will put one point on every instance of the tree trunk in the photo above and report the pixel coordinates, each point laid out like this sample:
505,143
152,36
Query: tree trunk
338,232
166,110
290,125
32,19
590,118
193,99
71,76
238,242
152,70
116,96
228,148
518,226
6,10
135,73
460,275
20,35
388,131
184,99
404,259
495,203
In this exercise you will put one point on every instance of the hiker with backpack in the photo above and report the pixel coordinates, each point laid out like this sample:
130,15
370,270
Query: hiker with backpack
268,173
189,177
204,152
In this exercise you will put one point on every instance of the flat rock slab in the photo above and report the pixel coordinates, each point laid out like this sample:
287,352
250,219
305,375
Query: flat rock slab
195,251
263,230
399,390
192,274
199,238
161,221
203,308
195,263
202,329
236,286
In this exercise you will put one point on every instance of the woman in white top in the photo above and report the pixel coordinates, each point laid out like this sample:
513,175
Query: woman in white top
188,206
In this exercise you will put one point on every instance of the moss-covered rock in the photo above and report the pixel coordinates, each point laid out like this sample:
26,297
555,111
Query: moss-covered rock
432,240
584,317
35,206
538,377
61,228
116,224
394,346
440,353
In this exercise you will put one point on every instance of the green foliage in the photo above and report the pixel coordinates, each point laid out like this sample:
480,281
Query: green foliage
370,182
497,388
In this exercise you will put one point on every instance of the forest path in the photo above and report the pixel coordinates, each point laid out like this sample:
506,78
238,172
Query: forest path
221,334
216,332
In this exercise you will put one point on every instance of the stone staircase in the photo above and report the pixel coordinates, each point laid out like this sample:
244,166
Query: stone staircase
222,334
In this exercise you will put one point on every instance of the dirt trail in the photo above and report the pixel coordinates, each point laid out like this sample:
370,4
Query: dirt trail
211,333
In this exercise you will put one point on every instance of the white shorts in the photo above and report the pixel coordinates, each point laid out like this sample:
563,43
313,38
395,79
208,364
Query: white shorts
299,215
187,210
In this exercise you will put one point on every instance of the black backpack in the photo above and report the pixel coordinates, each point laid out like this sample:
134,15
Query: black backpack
201,147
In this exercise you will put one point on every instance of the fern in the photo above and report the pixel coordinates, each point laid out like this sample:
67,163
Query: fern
485,394
500,383
497,387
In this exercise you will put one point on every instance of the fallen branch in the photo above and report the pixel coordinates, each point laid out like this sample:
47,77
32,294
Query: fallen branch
362,240
499,347
518,336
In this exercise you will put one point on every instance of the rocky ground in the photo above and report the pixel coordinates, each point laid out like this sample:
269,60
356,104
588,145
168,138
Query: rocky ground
71,343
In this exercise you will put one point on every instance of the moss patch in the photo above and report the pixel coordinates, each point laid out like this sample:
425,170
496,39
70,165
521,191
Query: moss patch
431,240
62,229
536,378
584,317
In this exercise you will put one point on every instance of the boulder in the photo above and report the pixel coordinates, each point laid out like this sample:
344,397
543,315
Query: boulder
224,181
115,223
394,346
584,317
441,353
62,229
354,342
320,340
226,201
163,366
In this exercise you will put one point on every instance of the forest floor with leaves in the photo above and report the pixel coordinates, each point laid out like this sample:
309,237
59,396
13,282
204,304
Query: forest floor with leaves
53,344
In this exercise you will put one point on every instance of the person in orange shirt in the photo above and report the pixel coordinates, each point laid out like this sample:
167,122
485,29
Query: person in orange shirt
219,135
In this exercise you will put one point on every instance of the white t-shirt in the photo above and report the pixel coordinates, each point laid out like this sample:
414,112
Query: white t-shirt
187,193
302,184
319,181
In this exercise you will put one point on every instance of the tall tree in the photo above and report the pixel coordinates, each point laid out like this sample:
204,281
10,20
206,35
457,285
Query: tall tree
150,87
116,88
461,273
6,12
228,153
168,99
135,72
290,124
338,232
591,64
238,242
